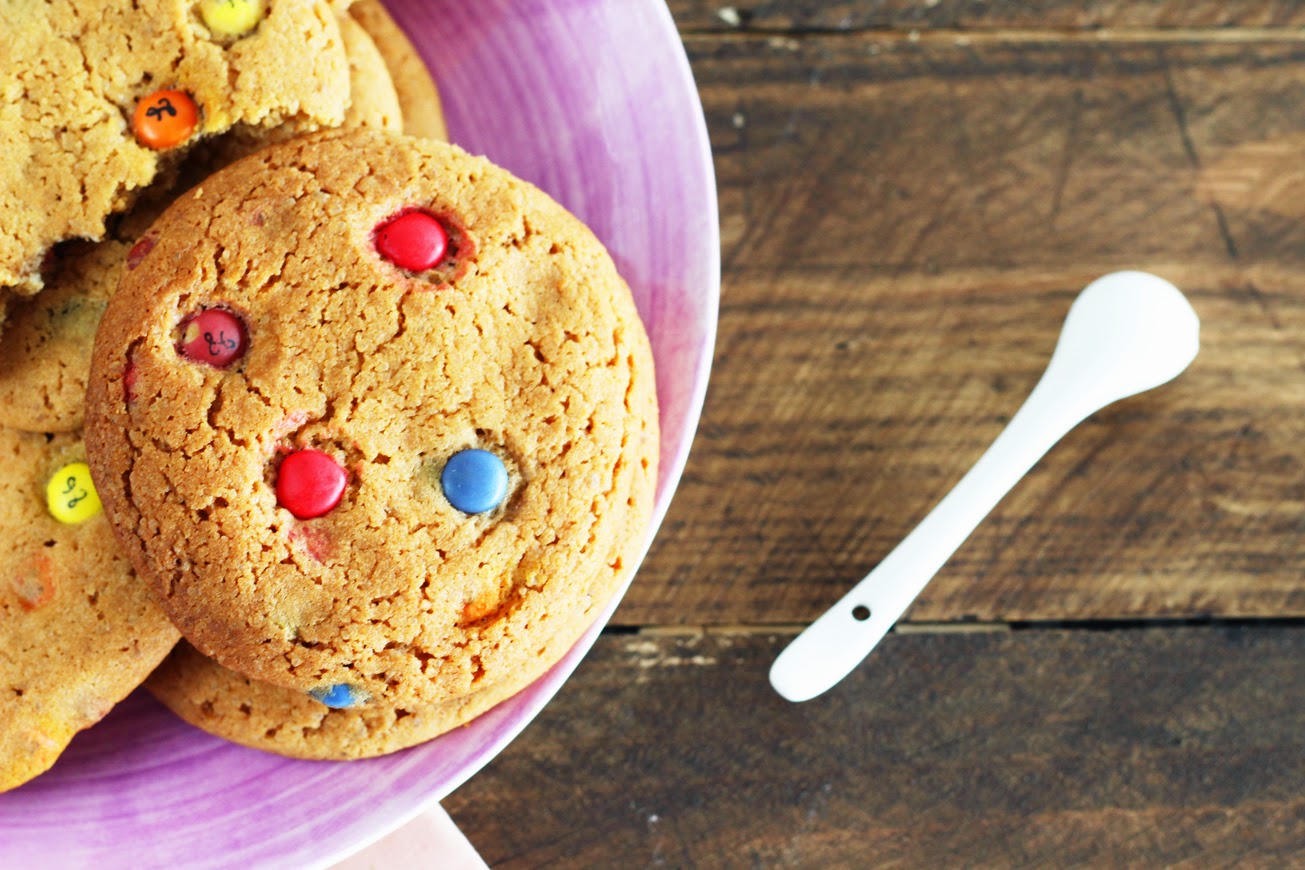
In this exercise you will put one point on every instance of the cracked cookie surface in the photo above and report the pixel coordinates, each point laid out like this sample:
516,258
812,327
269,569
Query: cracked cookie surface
78,630
73,72
45,346
522,341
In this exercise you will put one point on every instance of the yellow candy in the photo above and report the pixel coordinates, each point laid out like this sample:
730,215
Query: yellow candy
232,18
71,496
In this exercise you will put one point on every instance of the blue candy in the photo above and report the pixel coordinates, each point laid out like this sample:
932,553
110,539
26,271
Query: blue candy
340,697
474,481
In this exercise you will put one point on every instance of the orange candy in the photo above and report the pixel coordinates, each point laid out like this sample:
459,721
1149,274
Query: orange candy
165,119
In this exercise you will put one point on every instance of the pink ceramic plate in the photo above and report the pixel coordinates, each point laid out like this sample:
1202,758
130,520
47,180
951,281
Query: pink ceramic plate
593,101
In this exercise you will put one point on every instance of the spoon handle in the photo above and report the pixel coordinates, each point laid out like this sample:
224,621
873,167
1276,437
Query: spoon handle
835,643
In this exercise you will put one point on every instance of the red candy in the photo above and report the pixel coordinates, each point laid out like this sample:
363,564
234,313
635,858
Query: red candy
129,378
139,251
310,484
214,337
414,241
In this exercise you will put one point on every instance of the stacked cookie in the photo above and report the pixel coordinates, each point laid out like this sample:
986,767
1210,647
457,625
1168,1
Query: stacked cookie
373,422
176,72
78,629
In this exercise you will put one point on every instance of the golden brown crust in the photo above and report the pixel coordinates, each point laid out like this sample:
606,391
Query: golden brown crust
418,96
78,630
373,101
287,722
45,350
69,88
527,345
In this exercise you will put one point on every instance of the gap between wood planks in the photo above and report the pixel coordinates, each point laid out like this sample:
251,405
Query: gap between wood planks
970,627
961,36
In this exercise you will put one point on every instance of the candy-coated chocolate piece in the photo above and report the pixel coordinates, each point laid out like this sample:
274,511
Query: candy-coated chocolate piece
213,336
70,494
165,119
339,697
232,18
310,484
474,481
140,251
129,378
415,241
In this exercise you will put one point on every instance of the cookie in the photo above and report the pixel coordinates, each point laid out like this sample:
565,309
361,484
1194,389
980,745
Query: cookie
418,96
78,630
376,420
99,98
287,722
45,349
373,101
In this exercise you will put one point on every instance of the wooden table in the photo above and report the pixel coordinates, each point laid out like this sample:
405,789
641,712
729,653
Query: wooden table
1112,671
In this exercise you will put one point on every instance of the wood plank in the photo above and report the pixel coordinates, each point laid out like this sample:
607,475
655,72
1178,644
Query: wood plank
905,226
812,15
1177,747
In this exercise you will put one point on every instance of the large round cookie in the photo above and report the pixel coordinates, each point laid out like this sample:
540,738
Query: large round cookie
78,630
523,342
288,722
77,80
45,348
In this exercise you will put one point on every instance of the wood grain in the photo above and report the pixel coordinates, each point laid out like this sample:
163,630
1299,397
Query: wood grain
905,225
1177,747
815,15
906,218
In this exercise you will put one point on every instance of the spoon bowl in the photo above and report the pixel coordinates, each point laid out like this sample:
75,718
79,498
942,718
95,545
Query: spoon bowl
1126,333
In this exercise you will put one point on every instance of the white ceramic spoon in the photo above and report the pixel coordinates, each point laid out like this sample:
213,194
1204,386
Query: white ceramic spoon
1126,333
